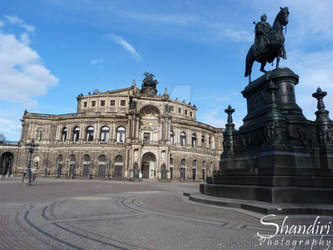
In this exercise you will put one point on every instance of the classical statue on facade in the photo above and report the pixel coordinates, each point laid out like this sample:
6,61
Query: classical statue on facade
149,81
148,87
269,42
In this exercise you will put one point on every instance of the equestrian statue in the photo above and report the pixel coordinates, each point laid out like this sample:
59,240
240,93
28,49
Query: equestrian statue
268,43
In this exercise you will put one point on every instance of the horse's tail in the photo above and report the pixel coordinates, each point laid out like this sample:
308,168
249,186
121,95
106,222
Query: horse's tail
249,61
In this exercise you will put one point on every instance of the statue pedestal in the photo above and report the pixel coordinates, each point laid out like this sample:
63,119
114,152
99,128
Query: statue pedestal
277,155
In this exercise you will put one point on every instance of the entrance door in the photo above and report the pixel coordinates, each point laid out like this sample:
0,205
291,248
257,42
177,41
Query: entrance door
145,170
59,170
204,174
86,170
194,174
101,170
118,171
163,172
171,173
72,170
135,171
6,163
182,173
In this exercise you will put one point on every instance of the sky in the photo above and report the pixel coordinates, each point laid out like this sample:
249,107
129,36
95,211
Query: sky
53,50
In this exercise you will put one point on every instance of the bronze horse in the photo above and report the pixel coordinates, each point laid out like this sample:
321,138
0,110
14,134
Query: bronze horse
273,49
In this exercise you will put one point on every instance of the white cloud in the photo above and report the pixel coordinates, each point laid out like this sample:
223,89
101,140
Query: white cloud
216,99
238,35
125,45
22,76
161,18
182,92
312,16
2,24
214,30
315,70
211,118
10,123
24,38
97,61
14,20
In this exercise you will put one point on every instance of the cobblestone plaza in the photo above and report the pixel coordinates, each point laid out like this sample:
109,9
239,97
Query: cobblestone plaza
91,214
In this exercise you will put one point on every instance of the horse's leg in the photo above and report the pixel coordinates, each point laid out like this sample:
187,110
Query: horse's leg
277,62
249,78
262,67
284,54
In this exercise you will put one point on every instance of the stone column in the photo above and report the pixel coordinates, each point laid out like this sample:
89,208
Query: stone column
324,127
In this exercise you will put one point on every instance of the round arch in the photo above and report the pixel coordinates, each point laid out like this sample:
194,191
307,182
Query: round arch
150,110
59,165
86,165
6,163
183,169
72,165
118,166
102,166
148,167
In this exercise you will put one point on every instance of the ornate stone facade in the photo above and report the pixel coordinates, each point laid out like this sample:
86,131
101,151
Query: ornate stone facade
123,133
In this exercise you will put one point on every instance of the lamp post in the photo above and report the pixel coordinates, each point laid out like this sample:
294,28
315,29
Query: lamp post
31,149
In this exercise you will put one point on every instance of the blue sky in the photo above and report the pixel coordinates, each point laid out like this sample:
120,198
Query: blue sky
52,50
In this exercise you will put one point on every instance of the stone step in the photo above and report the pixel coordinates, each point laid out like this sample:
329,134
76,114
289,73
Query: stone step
300,181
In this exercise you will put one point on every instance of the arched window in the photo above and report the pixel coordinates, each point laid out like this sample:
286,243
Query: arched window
102,158
194,164
102,167
72,164
121,134
182,169
182,139
209,141
172,137
171,161
39,134
105,131
90,133
64,134
59,165
72,158
76,133
86,165
59,159
211,168
86,158
118,166
202,141
119,159
194,140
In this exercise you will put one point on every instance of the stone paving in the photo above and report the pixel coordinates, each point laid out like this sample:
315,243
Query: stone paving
92,214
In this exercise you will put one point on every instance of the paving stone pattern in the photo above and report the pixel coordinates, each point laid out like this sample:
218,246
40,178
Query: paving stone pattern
90,214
